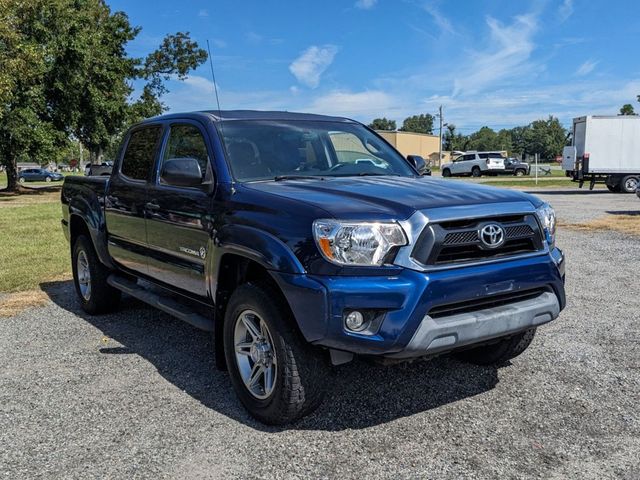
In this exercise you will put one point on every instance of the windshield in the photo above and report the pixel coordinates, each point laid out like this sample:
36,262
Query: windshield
267,150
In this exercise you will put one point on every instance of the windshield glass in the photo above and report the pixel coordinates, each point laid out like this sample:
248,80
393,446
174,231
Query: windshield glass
262,150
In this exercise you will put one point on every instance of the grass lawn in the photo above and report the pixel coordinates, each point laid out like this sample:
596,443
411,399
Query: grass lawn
32,246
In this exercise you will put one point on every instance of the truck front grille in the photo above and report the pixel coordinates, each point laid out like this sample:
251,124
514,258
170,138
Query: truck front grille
458,241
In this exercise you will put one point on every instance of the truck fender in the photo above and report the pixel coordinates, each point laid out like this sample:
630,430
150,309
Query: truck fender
90,212
257,245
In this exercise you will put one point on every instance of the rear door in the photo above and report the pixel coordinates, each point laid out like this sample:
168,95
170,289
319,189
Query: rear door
127,196
179,220
569,159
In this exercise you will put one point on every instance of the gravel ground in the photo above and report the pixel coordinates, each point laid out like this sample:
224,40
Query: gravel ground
136,395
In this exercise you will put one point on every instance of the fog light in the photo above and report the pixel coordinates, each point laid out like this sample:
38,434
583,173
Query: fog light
355,321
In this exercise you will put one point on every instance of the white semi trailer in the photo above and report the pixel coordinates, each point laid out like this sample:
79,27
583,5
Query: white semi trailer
605,149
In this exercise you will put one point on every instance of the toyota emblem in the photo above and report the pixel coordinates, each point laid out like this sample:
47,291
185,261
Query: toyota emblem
492,235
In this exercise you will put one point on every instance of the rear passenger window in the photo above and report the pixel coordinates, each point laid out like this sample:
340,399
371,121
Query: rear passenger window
140,152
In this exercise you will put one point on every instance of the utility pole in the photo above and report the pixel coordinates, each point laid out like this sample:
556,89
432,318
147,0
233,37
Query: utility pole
440,142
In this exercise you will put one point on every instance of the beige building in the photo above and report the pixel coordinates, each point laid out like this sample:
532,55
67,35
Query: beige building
408,143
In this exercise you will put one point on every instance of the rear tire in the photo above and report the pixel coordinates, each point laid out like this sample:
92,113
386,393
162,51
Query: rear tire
629,184
500,352
90,279
446,172
296,387
475,172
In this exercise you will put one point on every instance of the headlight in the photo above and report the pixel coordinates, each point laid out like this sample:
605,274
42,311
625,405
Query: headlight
357,243
547,216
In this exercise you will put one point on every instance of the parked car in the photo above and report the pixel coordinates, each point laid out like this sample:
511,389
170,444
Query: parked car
39,175
513,166
95,169
475,164
247,224
638,190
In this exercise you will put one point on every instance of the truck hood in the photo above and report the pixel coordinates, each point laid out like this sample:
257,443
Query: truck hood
386,197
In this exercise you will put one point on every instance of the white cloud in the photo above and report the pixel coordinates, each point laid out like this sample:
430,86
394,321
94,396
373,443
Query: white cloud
365,4
312,63
203,13
440,20
507,57
219,43
565,10
363,104
586,68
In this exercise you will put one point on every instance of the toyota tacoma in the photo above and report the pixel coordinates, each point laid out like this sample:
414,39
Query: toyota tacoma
301,241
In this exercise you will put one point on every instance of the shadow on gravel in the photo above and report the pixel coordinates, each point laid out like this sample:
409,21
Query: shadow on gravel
577,191
624,212
362,395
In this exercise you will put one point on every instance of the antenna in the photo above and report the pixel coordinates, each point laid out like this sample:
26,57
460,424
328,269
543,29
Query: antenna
213,76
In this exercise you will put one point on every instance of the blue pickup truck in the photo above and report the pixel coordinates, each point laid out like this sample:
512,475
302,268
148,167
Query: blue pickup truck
303,240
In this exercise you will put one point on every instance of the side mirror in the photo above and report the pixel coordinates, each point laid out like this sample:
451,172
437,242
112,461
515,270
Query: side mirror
419,164
182,172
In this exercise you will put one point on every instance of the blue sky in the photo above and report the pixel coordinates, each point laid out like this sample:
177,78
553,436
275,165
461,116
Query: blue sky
498,63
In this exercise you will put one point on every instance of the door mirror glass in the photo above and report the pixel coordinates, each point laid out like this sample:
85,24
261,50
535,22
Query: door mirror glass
182,172
418,163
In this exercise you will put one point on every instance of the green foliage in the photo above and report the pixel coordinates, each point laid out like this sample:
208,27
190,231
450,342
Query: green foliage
382,124
422,123
453,141
545,137
488,139
627,109
66,75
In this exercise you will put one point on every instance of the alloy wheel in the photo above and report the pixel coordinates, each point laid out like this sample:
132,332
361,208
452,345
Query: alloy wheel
84,275
255,354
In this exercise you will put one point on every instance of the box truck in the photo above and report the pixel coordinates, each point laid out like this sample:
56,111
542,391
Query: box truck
605,149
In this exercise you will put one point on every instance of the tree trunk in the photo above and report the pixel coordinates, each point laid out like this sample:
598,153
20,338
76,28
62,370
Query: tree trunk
12,175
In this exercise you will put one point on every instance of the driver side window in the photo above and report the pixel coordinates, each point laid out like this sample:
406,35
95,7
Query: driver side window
186,142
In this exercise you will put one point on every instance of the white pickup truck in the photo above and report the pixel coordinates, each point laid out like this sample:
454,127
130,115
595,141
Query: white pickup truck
475,164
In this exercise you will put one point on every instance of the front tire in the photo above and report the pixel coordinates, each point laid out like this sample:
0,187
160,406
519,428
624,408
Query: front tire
90,279
520,173
499,352
475,172
446,172
277,376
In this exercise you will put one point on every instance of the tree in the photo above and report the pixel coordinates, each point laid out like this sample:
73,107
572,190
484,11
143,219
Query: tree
382,124
452,140
627,109
545,137
484,139
66,74
422,123
519,139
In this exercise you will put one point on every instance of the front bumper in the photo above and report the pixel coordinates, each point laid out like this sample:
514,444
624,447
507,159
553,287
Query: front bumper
406,298
436,335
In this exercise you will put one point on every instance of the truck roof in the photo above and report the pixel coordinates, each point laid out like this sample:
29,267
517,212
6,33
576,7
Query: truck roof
226,115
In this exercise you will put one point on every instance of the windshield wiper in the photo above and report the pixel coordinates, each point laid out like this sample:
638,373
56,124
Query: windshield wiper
279,178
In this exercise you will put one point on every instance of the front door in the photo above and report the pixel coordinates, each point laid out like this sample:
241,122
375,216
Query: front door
179,218
126,199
